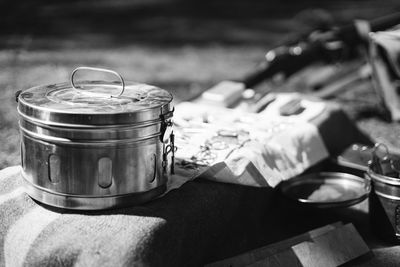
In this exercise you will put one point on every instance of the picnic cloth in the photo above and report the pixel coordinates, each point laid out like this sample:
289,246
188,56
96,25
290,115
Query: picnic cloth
200,222
254,149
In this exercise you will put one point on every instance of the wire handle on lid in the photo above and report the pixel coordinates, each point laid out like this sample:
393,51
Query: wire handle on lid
378,147
377,158
100,70
383,162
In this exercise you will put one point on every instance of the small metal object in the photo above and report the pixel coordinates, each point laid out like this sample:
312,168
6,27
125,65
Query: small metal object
356,157
17,95
172,148
385,163
376,158
89,150
326,189
166,126
205,156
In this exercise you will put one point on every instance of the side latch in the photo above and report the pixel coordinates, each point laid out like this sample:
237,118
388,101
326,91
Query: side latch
167,137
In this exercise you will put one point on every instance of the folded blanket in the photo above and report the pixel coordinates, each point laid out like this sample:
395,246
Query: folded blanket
183,228
31,233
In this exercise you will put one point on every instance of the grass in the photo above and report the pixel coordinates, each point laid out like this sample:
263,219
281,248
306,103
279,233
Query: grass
182,46
185,71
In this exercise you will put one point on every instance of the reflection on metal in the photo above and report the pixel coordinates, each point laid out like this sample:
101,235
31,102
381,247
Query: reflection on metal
154,161
105,172
23,155
54,168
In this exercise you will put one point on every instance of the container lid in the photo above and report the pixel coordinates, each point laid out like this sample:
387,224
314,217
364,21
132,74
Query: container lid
93,103
326,189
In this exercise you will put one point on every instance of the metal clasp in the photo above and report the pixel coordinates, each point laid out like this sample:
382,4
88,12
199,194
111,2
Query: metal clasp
17,95
171,148
383,162
167,135
166,126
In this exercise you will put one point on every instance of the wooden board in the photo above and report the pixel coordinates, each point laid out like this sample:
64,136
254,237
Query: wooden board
263,252
331,245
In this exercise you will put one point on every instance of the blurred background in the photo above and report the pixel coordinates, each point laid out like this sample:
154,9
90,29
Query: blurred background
184,46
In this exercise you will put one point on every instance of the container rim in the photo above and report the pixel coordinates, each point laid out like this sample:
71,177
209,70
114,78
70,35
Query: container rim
382,178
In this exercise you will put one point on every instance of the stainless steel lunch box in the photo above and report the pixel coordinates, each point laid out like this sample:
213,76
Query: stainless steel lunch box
384,200
96,144
384,205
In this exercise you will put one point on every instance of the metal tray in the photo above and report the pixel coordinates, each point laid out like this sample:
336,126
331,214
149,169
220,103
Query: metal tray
326,189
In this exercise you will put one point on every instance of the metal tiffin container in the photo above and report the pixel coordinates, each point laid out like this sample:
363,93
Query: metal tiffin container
95,144
384,199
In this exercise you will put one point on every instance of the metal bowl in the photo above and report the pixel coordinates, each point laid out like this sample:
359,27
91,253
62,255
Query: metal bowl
326,189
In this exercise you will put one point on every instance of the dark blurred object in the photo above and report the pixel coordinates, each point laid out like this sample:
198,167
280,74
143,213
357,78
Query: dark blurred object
347,78
315,19
355,157
333,45
102,23
384,55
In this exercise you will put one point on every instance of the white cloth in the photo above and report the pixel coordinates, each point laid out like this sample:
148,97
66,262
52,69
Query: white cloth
232,146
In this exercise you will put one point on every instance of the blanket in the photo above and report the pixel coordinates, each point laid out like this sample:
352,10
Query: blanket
200,222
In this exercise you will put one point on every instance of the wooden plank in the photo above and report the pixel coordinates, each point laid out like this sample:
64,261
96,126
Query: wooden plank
333,248
266,251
